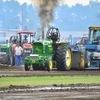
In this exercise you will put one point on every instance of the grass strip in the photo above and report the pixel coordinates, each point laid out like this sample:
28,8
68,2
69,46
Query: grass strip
34,81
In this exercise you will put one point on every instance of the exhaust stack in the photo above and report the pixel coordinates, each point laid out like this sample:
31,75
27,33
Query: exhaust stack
42,35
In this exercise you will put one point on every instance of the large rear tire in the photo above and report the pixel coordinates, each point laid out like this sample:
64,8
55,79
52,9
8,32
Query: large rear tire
64,57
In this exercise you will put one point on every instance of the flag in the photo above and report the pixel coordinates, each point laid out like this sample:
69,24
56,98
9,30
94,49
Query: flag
20,20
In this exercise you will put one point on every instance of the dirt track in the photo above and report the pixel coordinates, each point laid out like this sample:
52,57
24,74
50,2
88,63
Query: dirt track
81,92
19,71
69,92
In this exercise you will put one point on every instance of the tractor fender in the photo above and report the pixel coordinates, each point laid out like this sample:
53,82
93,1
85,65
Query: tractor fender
15,45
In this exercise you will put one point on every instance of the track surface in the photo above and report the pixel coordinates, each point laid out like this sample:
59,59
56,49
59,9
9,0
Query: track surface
69,92
72,94
19,71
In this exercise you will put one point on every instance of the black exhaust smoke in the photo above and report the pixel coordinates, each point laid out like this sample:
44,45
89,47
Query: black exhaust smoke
45,11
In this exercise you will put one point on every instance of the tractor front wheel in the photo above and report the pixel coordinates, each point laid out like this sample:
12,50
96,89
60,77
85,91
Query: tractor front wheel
49,64
87,65
64,57
27,67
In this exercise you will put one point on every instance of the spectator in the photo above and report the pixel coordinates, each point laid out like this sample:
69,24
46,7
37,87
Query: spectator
25,28
18,52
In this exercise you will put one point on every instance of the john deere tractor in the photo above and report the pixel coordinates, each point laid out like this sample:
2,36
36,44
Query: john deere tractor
50,52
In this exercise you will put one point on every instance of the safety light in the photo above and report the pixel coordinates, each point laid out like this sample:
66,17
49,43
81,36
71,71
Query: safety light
74,47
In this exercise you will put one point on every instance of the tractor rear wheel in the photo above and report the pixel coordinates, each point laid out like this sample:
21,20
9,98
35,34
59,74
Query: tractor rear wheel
49,64
37,67
64,57
27,67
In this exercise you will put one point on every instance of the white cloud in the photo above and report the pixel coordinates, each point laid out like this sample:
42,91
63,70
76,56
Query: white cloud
38,24
11,11
56,16
61,21
98,11
27,20
4,9
74,15
70,3
0,25
24,1
53,24
83,17
18,14
5,0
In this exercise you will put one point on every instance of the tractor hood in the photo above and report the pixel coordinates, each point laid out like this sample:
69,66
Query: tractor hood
43,47
44,42
5,46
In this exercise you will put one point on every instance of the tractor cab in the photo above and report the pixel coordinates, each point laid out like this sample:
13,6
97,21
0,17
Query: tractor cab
83,40
28,35
94,35
53,34
13,39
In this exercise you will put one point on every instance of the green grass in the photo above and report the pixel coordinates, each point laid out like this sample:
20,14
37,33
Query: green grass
34,81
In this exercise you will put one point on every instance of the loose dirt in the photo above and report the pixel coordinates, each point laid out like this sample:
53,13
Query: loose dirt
55,92
19,71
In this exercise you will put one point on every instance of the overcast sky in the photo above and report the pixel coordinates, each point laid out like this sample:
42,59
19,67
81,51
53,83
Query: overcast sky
70,15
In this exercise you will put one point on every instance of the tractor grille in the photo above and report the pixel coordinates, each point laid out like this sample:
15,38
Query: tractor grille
3,49
96,53
27,51
34,56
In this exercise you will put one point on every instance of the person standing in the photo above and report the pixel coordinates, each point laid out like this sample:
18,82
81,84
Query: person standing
18,52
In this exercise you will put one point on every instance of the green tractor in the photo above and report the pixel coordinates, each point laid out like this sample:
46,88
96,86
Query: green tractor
50,52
